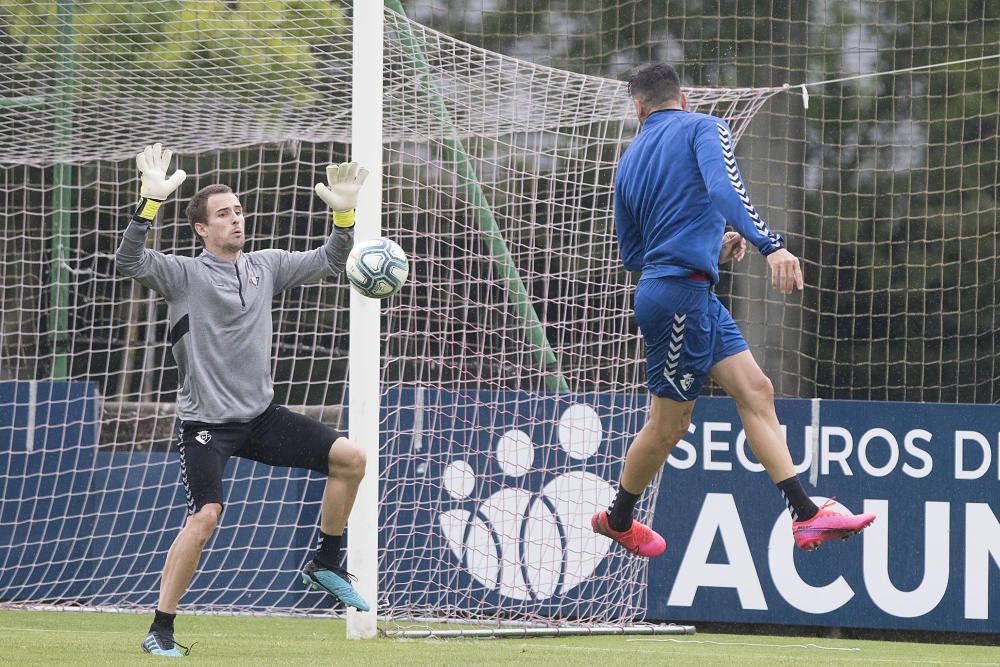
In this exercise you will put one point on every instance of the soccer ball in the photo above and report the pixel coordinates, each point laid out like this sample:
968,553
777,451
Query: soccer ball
377,267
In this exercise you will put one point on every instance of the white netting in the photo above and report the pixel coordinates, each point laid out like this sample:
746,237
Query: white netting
885,186
512,368
498,445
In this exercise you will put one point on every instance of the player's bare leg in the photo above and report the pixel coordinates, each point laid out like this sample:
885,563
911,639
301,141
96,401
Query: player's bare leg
347,469
741,378
744,381
182,562
666,424
182,559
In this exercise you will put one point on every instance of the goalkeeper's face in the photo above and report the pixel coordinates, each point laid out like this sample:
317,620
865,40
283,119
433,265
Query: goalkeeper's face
223,233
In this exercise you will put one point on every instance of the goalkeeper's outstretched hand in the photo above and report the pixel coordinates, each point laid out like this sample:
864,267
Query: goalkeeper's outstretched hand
156,187
340,192
153,162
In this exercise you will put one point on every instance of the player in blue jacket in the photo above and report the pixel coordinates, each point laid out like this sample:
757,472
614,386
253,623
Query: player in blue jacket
676,188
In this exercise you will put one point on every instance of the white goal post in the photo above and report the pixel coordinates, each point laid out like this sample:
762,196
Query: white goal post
364,362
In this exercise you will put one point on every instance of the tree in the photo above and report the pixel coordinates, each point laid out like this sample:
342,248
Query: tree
266,50
899,200
905,206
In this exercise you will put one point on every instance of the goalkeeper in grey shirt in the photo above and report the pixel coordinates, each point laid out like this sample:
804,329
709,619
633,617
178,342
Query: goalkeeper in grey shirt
220,335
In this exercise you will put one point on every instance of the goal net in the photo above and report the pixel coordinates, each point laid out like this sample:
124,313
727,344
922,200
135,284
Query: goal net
511,366
884,186
512,376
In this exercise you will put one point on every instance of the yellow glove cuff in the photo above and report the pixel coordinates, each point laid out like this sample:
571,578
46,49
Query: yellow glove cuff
343,218
147,209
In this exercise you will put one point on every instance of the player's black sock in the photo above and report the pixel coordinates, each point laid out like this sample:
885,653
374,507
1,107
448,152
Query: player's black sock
328,553
163,621
800,505
620,512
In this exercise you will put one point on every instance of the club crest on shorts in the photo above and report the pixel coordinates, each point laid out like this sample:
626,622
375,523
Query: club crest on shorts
686,381
203,437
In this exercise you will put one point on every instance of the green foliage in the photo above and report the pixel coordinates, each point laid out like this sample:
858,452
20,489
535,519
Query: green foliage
899,212
268,49
899,205
906,205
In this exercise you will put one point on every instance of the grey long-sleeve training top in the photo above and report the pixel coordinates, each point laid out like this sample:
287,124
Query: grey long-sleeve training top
220,317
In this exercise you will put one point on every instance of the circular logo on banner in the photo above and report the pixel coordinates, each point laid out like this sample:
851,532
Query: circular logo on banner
531,543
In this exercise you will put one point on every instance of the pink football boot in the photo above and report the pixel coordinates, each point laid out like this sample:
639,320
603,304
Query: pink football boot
828,525
639,539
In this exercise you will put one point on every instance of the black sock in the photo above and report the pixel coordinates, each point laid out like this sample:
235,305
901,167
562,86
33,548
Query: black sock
328,552
800,505
162,621
620,512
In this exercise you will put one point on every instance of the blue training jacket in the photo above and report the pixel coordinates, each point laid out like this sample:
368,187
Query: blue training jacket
676,188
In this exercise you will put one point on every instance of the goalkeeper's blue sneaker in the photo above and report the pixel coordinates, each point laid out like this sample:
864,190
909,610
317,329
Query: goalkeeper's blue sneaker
161,642
335,581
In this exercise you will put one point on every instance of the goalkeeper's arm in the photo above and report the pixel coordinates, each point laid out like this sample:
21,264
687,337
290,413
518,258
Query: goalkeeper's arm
155,270
340,192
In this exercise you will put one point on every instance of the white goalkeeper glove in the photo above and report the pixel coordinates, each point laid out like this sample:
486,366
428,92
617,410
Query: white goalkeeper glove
340,192
156,187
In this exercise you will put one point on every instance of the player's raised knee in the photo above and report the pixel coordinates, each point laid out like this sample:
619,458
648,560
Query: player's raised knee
347,459
674,430
667,431
759,390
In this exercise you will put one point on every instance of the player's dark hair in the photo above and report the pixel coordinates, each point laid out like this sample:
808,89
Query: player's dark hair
197,208
655,85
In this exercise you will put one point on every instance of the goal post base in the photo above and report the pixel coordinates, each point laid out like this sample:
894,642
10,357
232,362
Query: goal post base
560,631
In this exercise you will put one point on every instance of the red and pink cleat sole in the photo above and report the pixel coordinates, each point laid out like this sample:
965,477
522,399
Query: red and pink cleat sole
828,525
639,539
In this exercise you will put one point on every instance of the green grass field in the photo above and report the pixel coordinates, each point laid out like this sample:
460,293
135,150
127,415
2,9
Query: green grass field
90,638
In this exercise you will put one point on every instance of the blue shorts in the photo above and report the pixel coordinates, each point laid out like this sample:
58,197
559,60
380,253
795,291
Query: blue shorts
687,331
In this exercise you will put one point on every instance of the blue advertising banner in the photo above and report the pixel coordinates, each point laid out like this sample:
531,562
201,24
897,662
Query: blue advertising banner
930,561
486,505
48,432
492,470
90,526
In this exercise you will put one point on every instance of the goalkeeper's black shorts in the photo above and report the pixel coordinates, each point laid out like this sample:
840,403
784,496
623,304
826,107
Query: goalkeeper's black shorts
277,437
